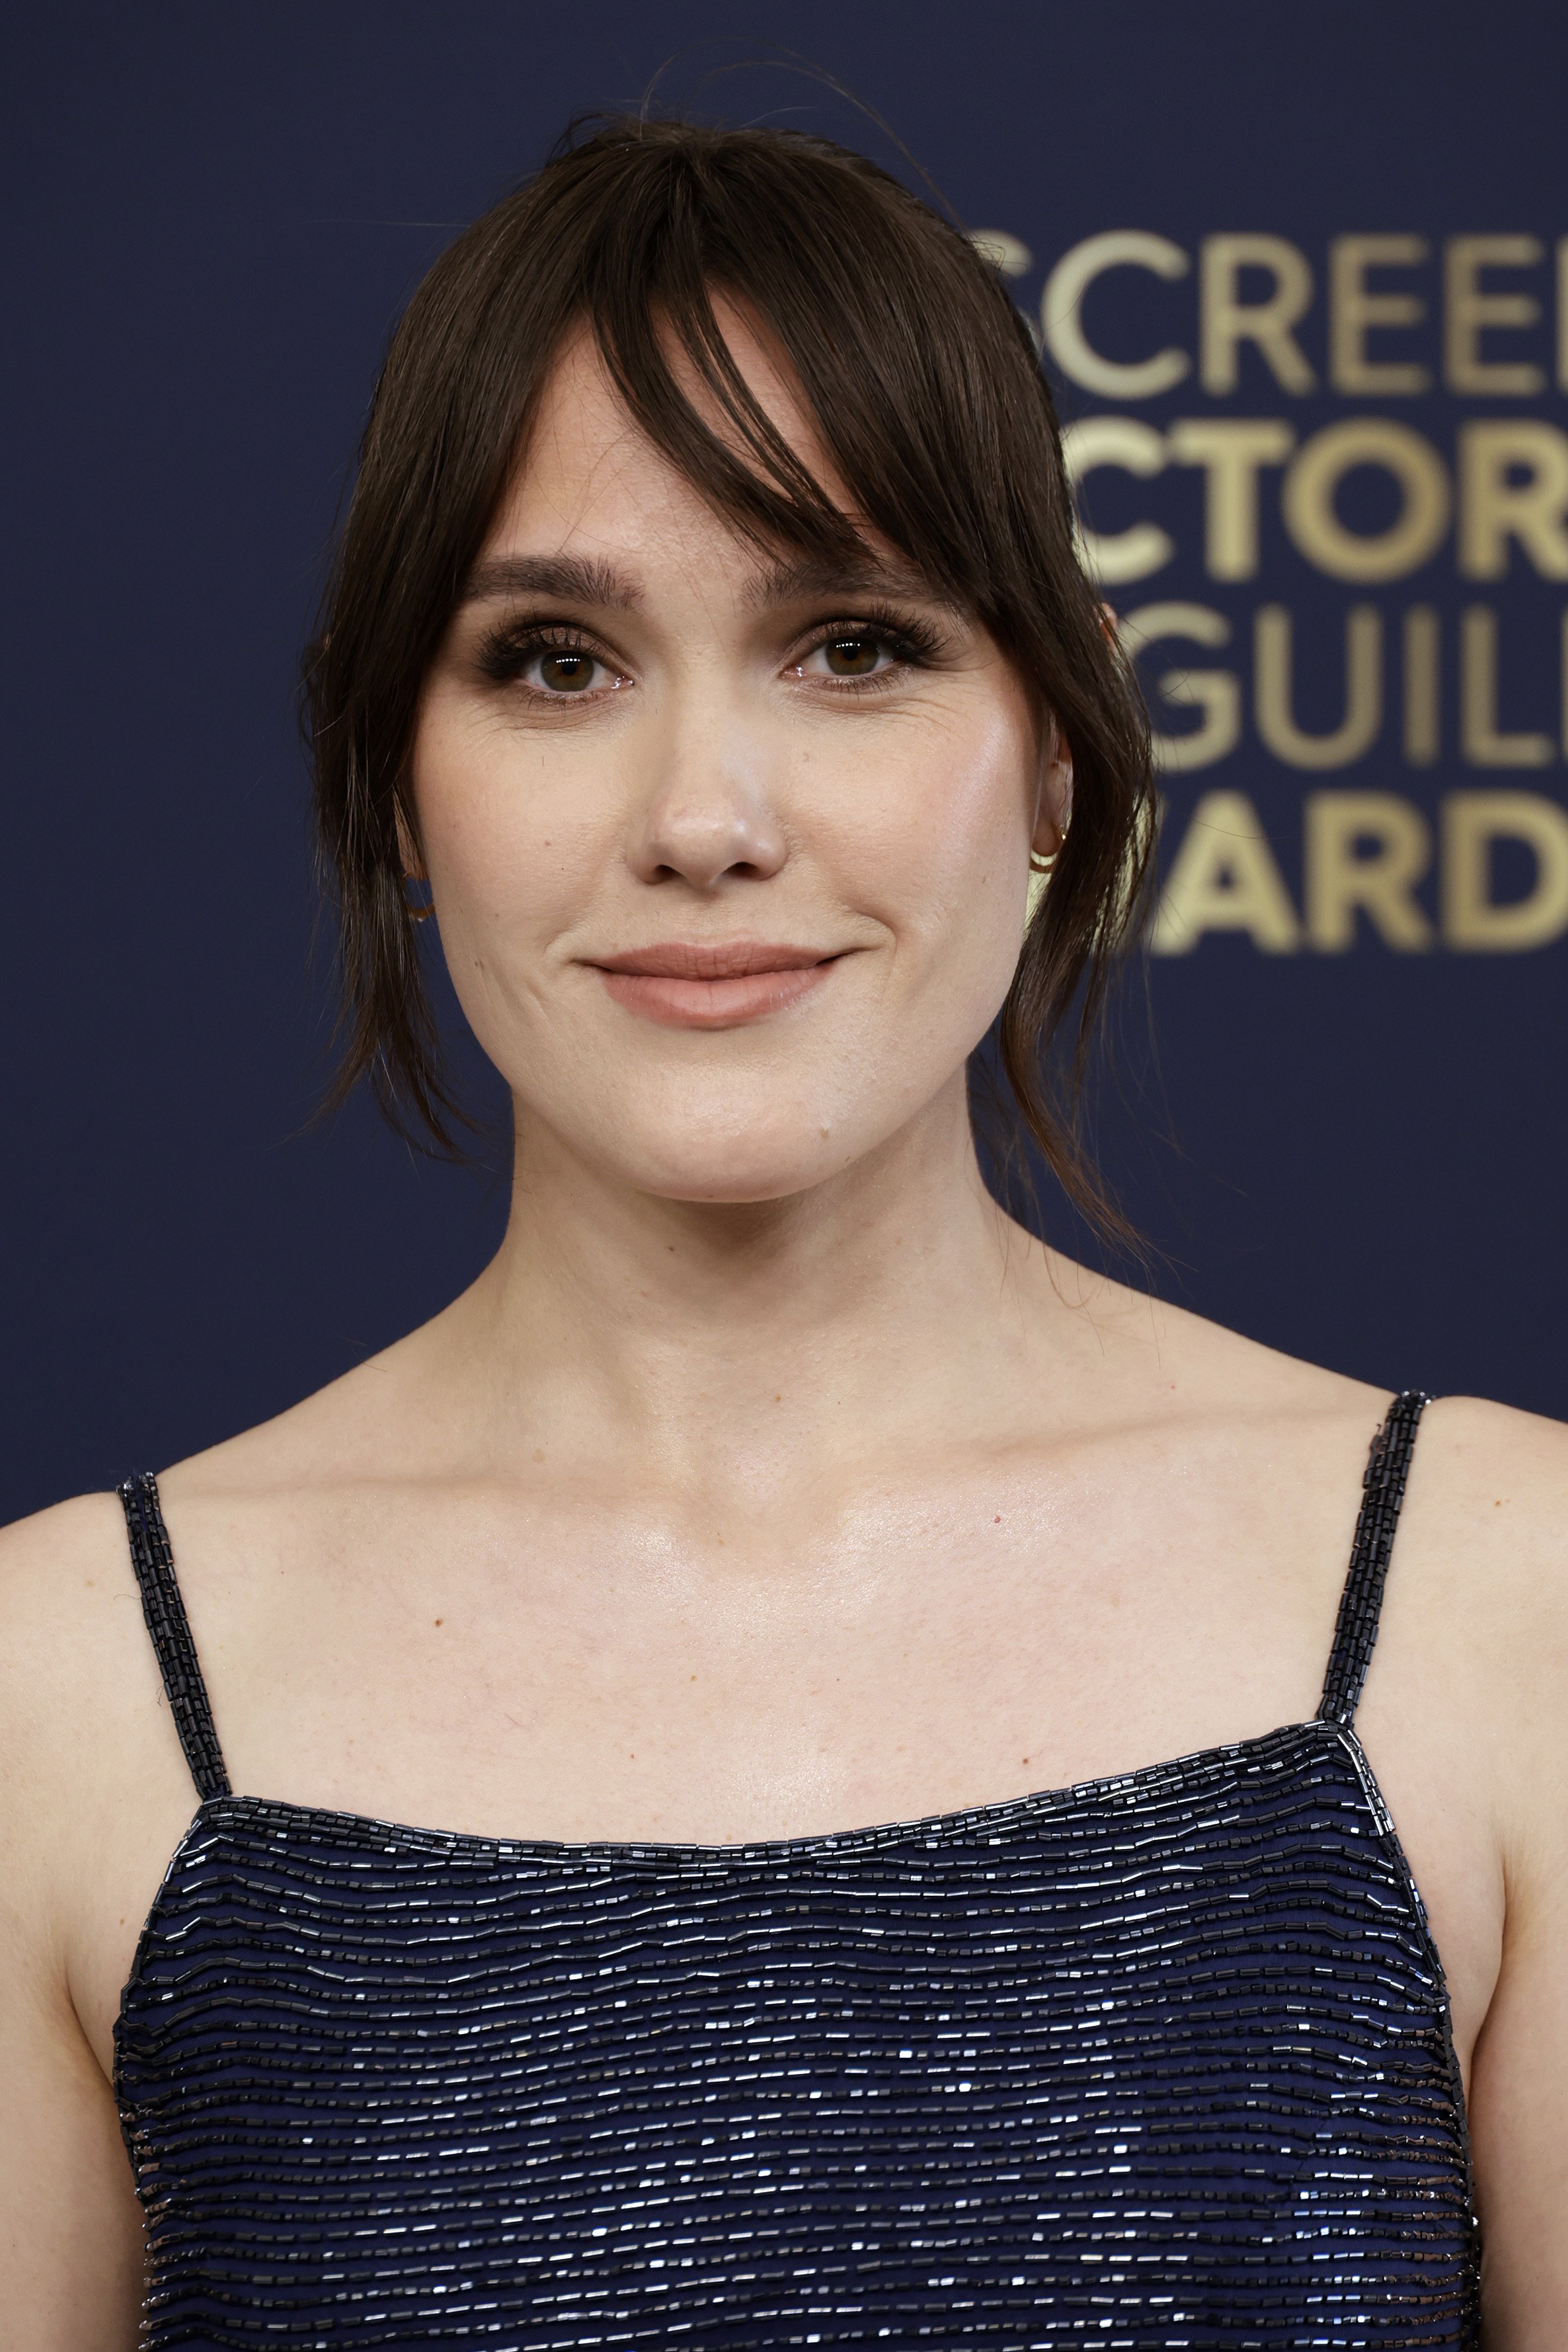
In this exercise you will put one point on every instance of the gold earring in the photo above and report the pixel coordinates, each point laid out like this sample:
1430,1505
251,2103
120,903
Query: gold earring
415,913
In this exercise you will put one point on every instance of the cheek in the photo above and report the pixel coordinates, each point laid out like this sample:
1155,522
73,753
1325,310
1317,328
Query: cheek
954,821
510,837
515,842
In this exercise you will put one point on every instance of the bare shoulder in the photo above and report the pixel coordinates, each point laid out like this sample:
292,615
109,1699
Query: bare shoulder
37,1553
67,1594
70,1675
78,1684
1475,1633
1493,1457
389,1415
1486,1519
78,1675
1181,1364
1485,1523
82,1710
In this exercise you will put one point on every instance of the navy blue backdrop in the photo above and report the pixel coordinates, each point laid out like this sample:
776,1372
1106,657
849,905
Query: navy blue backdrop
1351,1141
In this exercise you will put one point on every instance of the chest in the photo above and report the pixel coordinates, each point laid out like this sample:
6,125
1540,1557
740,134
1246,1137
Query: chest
1159,2055
578,1673
575,1673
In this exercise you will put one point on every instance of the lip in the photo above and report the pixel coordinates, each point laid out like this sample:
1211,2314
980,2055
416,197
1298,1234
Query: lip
713,984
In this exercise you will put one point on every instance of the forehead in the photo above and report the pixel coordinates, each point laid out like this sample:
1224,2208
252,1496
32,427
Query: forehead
589,475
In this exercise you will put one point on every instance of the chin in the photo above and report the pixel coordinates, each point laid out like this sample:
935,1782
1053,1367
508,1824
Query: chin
748,1175
725,1158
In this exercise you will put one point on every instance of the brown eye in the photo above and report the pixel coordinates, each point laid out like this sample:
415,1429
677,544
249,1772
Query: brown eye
852,657
567,673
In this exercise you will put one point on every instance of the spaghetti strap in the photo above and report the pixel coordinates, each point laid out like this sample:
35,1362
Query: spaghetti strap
1387,1468
154,1560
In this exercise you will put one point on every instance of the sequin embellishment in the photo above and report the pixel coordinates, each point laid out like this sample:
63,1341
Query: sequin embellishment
1158,2062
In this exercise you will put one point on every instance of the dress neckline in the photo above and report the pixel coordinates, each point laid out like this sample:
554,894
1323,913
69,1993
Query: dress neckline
992,1819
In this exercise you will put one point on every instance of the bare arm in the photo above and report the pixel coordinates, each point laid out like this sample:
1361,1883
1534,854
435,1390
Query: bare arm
73,1684
71,2270
1516,1563
1519,2121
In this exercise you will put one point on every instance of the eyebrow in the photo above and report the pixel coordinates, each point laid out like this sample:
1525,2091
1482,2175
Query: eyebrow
812,577
581,579
589,580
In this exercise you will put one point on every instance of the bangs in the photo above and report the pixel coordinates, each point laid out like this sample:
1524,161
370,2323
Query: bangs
930,408
890,384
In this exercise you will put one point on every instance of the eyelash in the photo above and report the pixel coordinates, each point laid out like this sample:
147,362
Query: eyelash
913,642
507,652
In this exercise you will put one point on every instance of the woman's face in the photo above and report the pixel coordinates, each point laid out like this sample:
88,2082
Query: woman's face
730,858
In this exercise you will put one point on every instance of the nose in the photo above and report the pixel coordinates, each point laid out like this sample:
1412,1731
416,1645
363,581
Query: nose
707,813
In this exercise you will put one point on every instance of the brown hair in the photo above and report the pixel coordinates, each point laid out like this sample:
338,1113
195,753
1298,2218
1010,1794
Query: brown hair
929,398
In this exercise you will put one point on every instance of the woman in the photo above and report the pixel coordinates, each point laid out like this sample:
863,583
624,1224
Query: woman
709,654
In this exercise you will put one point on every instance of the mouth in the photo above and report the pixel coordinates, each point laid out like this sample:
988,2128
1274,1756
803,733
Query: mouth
713,984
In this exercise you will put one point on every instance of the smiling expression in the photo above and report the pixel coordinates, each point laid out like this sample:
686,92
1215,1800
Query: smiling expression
730,852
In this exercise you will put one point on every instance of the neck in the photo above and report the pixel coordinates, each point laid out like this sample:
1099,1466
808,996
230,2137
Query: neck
745,1340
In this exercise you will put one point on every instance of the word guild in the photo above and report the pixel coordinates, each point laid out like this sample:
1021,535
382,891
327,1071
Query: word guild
1446,478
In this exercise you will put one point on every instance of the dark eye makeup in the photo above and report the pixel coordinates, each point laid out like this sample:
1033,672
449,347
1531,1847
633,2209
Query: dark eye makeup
851,647
867,651
567,656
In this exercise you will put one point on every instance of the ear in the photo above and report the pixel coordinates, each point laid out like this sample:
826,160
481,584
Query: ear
1053,804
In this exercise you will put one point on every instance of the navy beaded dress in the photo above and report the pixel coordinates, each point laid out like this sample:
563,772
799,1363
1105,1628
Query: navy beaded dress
1161,2061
